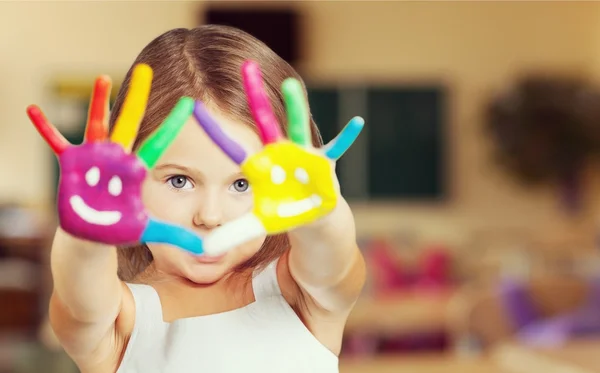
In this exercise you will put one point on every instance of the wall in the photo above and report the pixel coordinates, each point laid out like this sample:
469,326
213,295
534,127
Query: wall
41,39
473,46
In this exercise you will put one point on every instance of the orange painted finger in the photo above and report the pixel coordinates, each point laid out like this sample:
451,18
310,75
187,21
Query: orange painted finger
97,126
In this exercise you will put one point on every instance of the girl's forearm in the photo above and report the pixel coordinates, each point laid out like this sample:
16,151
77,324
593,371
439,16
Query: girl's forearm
325,259
85,278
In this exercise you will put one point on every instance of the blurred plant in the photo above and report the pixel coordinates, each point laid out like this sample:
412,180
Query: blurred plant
546,129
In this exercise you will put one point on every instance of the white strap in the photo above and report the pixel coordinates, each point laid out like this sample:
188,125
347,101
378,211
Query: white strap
265,282
148,309
148,328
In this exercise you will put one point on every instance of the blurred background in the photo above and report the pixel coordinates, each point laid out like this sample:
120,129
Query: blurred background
474,185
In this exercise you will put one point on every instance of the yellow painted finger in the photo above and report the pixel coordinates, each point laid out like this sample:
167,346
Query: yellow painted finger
134,107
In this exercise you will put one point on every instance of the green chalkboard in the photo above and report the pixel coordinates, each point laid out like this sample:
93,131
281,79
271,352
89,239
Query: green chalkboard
401,155
324,108
406,143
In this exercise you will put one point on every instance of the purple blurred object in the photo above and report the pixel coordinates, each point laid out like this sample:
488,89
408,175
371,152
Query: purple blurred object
517,303
551,332
555,331
546,333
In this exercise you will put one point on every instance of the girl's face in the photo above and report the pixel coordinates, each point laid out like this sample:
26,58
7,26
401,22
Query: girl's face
197,186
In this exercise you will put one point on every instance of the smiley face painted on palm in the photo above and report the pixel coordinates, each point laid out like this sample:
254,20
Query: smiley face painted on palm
291,185
99,193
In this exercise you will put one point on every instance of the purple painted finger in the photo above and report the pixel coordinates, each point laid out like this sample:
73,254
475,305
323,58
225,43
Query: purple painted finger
216,134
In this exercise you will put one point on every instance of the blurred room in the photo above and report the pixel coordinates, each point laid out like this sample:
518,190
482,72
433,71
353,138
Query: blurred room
474,185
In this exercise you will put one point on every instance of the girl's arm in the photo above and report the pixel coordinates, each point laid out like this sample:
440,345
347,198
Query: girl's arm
88,298
325,260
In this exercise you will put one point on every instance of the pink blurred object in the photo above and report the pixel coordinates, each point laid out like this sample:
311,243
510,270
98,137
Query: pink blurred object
435,269
360,346
385,269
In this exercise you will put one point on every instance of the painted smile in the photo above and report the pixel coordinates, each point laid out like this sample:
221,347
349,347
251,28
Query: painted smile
286,210
91,215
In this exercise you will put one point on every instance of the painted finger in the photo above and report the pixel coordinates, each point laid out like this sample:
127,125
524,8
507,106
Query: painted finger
134,106
233,234
230,147
154,147
297,112
162,232
258,100
344,140
97,125
57,142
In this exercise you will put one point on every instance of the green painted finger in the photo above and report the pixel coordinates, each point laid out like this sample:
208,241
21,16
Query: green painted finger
153,148
297,112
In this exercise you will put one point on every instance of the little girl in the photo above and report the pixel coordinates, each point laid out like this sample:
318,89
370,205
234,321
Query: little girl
276,304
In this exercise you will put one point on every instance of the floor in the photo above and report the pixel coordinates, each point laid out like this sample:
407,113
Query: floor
421,364
32,358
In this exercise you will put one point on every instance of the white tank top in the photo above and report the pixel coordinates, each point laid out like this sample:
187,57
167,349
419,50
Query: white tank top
265,336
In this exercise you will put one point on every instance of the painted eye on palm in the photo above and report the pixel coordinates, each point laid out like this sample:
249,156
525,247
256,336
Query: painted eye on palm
293,183
99,193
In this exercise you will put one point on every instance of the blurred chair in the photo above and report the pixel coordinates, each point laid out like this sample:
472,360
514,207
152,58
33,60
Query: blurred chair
22,247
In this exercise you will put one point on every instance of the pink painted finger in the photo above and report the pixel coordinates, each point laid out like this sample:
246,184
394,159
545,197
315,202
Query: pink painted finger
258,100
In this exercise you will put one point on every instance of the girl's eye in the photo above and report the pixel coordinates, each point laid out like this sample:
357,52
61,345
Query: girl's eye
240,185
180,182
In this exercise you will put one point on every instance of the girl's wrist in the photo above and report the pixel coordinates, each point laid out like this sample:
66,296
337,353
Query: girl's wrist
335,223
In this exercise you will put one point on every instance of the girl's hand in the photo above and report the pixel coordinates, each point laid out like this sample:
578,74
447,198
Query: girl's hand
293,183
100,184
